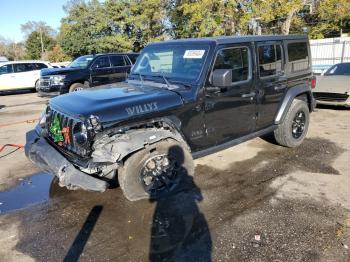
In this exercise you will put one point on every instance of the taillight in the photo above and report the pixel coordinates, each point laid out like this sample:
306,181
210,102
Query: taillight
313,82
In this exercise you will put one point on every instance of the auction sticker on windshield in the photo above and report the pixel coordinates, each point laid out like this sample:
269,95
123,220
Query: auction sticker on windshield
194,54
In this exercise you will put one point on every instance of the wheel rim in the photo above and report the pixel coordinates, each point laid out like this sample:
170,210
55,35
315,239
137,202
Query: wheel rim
298,124
77,89
159,174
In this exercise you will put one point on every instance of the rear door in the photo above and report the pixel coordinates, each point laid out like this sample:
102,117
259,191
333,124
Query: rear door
100,71
120,68
229,113
272,81
26,74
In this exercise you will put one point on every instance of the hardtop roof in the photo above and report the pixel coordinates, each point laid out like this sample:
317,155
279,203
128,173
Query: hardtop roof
236,39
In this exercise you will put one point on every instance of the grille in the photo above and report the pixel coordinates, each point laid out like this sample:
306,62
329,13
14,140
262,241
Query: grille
45,81
66,122
331,97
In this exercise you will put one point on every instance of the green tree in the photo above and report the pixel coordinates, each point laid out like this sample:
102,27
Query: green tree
201,18
124,25
332,16
37,43
89,28
277,16
56,55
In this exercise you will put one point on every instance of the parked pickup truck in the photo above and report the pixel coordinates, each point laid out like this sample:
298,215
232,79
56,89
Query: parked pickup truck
84,72
183,99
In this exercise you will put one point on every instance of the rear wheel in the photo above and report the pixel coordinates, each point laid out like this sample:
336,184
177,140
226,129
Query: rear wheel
155,171
76,87
293,130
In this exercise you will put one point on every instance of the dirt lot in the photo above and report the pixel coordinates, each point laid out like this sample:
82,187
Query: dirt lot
253,202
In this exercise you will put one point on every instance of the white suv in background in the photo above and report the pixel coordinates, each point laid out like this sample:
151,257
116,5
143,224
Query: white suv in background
20,74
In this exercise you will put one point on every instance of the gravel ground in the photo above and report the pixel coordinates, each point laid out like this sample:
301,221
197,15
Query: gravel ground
253,202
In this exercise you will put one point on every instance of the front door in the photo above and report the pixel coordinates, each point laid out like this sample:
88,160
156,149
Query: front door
100,71
230,111
272,82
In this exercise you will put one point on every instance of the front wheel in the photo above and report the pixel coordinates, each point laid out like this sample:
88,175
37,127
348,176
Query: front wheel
155,171
292,131
37,85
76,87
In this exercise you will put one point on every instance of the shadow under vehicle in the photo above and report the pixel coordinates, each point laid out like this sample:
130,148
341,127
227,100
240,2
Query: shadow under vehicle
201,95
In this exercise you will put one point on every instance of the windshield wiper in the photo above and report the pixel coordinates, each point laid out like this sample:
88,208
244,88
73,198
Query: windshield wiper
141,78
165,79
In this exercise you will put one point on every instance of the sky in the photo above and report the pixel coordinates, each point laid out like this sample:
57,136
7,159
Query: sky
13,13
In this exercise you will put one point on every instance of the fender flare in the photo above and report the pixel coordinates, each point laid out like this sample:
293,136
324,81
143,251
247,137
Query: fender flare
288,99
114,149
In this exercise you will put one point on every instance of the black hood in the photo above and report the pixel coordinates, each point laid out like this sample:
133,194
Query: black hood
58,71
117,102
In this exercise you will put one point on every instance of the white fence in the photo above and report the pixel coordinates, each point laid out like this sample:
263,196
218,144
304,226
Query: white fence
330,51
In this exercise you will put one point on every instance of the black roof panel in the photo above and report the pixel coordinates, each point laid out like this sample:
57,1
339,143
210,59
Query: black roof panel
237,39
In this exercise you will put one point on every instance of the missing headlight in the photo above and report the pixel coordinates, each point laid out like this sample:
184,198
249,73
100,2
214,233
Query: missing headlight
80,134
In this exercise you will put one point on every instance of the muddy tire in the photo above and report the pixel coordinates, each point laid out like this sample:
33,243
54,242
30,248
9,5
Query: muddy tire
293,130
156,171
76,87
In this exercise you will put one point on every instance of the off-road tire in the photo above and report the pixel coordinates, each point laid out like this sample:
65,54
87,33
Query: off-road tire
76,87
129,176
283,134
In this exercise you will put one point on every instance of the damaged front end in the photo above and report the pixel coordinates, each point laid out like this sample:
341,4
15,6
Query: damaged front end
62,145
44,155
83,155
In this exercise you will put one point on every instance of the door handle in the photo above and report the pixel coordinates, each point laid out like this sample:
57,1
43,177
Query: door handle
251,94
279,87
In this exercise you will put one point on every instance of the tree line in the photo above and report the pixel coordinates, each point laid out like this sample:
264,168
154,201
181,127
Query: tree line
128,25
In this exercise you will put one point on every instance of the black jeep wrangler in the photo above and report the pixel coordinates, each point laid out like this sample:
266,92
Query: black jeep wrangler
84,72
182,99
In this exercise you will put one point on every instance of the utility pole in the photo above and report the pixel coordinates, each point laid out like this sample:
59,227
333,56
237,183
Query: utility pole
41,41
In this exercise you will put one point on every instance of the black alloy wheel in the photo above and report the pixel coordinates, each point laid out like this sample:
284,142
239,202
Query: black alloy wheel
298,124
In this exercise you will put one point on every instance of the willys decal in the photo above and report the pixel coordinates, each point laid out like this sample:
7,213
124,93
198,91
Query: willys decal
140,109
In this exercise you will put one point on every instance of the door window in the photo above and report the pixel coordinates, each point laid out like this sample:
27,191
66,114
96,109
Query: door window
6,69
39,66
270,60
117,60
235,59
133,57
298,56
101,62
24,67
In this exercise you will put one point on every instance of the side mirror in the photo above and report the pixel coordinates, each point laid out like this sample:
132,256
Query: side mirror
222,78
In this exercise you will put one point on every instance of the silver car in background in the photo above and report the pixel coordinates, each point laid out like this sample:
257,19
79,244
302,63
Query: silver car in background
333,86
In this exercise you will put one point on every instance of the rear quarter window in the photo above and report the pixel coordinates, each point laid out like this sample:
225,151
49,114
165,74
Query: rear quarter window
298,56
133,57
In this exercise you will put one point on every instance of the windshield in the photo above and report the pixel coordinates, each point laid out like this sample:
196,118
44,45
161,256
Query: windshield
339,69
181,61
81,62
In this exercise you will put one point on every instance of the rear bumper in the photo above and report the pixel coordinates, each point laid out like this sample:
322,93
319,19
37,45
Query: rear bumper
332,98
333,103
41,153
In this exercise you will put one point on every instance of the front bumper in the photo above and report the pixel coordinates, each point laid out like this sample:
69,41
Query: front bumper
46,89
41,153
